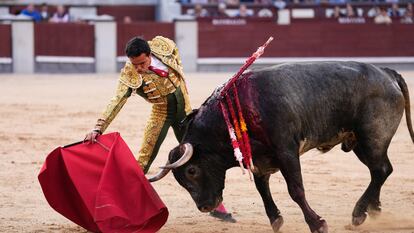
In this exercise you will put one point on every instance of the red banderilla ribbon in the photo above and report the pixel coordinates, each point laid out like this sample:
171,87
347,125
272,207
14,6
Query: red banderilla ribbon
239,139
246,65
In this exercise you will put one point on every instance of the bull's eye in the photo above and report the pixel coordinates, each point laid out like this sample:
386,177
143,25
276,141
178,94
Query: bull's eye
191,172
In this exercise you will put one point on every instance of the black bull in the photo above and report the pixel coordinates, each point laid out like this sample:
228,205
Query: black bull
290,109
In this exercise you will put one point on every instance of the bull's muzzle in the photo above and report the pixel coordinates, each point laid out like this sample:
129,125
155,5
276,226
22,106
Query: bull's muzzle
210,205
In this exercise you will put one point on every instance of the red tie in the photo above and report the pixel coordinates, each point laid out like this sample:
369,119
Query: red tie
159,72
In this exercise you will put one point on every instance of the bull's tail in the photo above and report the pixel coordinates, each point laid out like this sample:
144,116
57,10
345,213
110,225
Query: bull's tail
401,82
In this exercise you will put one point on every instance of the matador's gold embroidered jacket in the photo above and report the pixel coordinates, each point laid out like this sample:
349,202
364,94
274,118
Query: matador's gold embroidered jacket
150,86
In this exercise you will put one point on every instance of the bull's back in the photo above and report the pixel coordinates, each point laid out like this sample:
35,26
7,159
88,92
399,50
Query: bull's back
319,83
311,78
318,95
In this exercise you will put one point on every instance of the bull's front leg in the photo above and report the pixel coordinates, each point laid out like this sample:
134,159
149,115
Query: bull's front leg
291,171
273,213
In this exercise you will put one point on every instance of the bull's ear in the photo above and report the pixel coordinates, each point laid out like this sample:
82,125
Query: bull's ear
187,119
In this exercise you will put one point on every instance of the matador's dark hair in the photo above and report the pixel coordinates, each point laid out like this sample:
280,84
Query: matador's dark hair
136,46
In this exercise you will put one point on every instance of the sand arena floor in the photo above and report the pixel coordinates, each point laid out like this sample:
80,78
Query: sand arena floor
40,112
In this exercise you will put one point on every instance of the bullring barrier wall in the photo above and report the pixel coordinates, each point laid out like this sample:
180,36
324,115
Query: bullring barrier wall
205,44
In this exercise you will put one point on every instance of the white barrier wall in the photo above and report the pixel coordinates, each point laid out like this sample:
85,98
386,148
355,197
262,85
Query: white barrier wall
186,38
23,46
168,10
105,46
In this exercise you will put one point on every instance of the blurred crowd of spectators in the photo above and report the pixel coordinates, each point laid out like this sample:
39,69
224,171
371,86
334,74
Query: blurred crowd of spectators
242,11
381,14
58,15
380,11
269,2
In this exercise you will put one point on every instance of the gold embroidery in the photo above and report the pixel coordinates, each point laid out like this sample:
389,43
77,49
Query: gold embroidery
159,86
147,90
151,133
130,77
187,106
162,46
114,106
166,50
153,95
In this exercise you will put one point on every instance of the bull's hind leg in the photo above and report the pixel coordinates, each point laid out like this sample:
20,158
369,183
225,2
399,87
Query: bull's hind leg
377,124
380,168
291,171
273,213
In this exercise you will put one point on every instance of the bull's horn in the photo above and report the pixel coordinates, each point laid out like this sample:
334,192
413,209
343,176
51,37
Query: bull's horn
160,174
184,158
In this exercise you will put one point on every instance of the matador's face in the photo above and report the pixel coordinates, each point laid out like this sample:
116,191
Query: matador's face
141,62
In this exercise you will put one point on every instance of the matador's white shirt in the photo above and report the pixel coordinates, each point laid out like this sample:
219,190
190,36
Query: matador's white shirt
155,62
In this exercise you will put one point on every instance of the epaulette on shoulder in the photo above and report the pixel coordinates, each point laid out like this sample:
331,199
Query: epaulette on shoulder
162,46
130,77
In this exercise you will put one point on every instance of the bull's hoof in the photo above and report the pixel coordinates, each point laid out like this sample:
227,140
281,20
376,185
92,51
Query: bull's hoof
277,224
356,221
323,228
374,211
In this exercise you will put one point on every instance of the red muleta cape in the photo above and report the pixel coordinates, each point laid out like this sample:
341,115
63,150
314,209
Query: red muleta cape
100,190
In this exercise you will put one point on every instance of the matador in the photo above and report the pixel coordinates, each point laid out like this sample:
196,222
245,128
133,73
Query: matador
153,71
